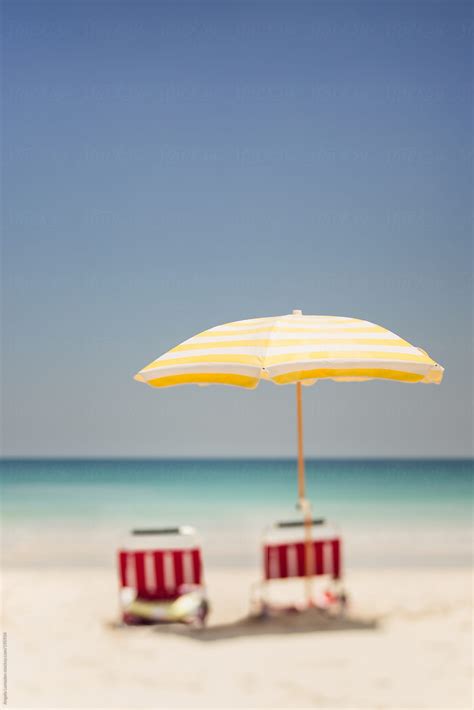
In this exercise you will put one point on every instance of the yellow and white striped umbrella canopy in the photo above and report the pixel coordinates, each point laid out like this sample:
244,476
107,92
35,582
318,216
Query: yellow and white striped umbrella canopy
291,348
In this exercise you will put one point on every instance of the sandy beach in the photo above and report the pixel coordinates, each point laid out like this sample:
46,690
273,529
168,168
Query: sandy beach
406,644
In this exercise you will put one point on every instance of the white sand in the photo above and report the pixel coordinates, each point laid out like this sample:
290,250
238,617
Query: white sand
63,651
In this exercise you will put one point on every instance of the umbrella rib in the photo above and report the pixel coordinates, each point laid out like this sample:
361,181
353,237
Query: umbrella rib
269,340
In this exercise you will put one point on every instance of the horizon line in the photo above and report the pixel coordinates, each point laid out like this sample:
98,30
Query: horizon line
236,458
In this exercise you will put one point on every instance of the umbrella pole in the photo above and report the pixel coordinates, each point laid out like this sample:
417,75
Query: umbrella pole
303,502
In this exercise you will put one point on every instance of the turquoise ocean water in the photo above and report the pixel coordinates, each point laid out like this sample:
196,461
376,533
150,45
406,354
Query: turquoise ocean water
77,512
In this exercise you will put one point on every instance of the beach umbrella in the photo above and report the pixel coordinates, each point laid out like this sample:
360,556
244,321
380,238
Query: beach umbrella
292,349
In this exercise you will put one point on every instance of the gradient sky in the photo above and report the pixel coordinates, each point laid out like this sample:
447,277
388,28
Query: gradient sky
172,166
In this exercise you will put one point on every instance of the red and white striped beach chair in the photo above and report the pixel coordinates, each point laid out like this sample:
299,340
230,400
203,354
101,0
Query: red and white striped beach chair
285,556
162,583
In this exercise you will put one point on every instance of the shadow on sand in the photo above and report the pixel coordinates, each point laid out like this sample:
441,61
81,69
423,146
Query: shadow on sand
291,623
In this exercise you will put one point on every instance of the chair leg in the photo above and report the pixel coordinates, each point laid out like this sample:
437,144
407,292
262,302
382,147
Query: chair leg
257,600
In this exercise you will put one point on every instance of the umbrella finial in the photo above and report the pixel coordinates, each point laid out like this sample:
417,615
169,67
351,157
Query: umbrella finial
297,312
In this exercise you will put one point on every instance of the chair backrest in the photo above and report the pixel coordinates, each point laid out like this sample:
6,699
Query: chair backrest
283,560
159,574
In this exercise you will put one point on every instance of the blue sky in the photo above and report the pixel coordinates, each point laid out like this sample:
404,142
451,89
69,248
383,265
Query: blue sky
172,166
